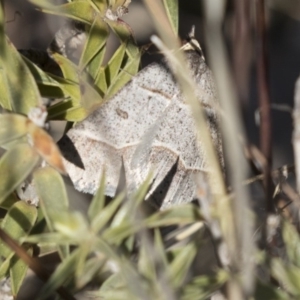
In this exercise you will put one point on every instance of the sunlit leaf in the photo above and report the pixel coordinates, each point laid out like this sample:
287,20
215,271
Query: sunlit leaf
287,275
176,215
18,272
53,196
125,34
201,287
98,201
63,273
292,242
114,65
78,10
91,268
12,127
171,7
48,86
15,165
18,222
19,82
180,266
6,99
125,74
102,218
95,41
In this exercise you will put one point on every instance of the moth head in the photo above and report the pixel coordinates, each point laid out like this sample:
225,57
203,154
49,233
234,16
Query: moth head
192,44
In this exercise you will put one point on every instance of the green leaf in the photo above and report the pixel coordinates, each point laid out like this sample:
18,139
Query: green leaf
98,201
179,215
100,81
114,65
81,105
125,74
18,272
53,197
20,84
12,127
77,10
95,42
171,7
18,222
48,86
69,69
106,214
267,291
9,201
15,165
95,66
202,287
5,266
63,273
114,288
125,34
287,275
72,225
5,100
292,242
180,266
48,238
91,268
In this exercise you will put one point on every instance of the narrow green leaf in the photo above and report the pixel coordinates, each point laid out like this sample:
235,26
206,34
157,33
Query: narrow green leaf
18,222
71,224
48,238
5,265
125,74
5,99
180,215
171,7
114,65
95,41
48,86
102,218
180,266
98,201
9,201
17,273
100,81
202,287
287,275
91,268
116,235
147,262
95,66
69,69
12,127
63,273
292,242
53,197
101,5
23,90
125,34
77,10
15,165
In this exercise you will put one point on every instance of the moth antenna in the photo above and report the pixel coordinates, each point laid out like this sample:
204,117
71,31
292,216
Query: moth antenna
192,43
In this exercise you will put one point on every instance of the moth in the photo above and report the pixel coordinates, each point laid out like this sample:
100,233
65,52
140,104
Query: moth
148,127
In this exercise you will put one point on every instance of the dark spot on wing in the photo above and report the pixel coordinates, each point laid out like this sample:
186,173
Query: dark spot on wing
122,113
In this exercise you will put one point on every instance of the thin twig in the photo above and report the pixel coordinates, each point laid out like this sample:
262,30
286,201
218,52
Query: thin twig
264,100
